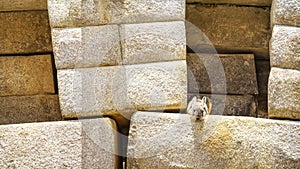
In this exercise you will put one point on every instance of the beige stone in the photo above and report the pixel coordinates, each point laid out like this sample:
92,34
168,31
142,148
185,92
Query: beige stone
27,109
165,140
115,89
228,29
86,47
138,11
77,13
235,2
284,93
25,32
17,5
58,145
285,12
26,75
223,73
284,47
230,105
153,42
263,72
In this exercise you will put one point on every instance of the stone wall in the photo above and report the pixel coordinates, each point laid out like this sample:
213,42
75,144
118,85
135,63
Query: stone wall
284,91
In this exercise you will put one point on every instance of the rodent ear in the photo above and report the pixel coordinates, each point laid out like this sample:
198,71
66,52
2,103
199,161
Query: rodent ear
194,99
204,99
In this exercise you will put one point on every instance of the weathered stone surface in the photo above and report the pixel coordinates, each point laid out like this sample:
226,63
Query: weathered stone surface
17,5
58,145
26,109
228,29
86,47
262,71
236,2
285,12
153,42
137,11
284,93
110,90
231,105
164,140
25,32
26,75
284,47
212,73
75,13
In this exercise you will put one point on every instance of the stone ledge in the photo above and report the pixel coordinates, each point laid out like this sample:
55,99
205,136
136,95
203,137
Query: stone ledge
76,144
285,12
284,93
284,47
164,140
26,75
234,2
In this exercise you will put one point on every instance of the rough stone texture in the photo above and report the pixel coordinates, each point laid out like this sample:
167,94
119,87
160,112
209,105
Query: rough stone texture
285,12
75,13
231,105
58,145
262,71
25,32
284,93
163,140
17,5
153,42
235,2
210,73
27,109
228,29
138,11
284,47
86,47
112,90
26,75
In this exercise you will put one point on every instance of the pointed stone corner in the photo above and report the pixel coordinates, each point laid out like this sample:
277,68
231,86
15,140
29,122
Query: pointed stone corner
76,144
284,93
153,42
285,12
107,90
284,47
160,140
86,46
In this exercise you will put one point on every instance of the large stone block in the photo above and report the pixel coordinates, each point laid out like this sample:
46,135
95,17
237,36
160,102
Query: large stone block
228,29
25,32
231,105
284,93
153,42
75,13
24,5
26,75
285,12
164,140
86,47
235,2
284,47
77,144
224,73
110,90
138,11
27,109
